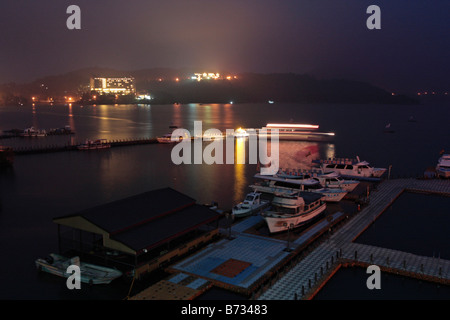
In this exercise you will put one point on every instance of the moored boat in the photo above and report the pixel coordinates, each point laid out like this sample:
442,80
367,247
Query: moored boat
94,145
443,166
293,210
32,132
89,273
330,180
252,203
169,137
276,185
351,168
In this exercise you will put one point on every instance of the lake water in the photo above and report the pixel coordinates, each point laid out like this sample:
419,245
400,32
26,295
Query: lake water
44,186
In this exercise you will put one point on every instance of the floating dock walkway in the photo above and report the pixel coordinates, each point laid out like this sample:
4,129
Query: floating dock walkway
74,147
306,278
244,262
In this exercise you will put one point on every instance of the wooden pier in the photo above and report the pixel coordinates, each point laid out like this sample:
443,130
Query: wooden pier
73,147
305,279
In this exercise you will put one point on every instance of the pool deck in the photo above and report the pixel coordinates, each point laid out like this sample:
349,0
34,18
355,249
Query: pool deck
311,273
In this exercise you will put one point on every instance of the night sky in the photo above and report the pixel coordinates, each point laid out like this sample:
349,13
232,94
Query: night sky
324,38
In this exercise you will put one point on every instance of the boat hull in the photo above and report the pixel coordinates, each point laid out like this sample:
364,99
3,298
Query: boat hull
329,195
443,172
240,211
89,273
279,223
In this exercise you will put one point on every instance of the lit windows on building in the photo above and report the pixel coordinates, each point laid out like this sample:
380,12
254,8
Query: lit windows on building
120,86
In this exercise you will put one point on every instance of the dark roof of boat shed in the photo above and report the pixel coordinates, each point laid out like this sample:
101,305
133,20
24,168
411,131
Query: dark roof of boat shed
147,220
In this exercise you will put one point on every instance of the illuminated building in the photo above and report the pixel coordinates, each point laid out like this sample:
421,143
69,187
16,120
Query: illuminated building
205,76
122,86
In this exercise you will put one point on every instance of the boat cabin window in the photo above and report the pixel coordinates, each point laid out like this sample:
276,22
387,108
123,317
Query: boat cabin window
331,166
350,167
313,186
340,166
249,198
287,185
364,167
285,210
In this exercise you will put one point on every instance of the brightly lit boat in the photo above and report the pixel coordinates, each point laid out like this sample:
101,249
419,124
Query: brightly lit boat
443,166
330,180
293,210
240,133
167,138
94,145
89,273
252,203
277,185
290,131
350,168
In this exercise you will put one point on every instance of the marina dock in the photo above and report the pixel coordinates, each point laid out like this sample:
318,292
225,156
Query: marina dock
269,268
73,147
311,274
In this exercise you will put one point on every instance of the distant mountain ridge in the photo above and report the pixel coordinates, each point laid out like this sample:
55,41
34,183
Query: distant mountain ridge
248,87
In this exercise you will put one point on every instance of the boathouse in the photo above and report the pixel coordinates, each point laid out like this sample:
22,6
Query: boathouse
141,233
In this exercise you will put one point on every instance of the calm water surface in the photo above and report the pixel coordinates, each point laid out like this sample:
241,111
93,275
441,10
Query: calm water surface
44,186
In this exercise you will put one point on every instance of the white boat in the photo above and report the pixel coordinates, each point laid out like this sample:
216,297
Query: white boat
330,180
443,166
251,204
167,138
352,168
89,273
293,210
240,133
388,128
276,185
94,145
32,132
291,131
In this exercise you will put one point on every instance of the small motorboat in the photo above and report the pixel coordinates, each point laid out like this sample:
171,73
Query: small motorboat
89,273
167,138
94,145
388,129
443,166
251,204
32,132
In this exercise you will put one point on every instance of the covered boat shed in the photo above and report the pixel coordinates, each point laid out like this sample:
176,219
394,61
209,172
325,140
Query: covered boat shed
142,232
